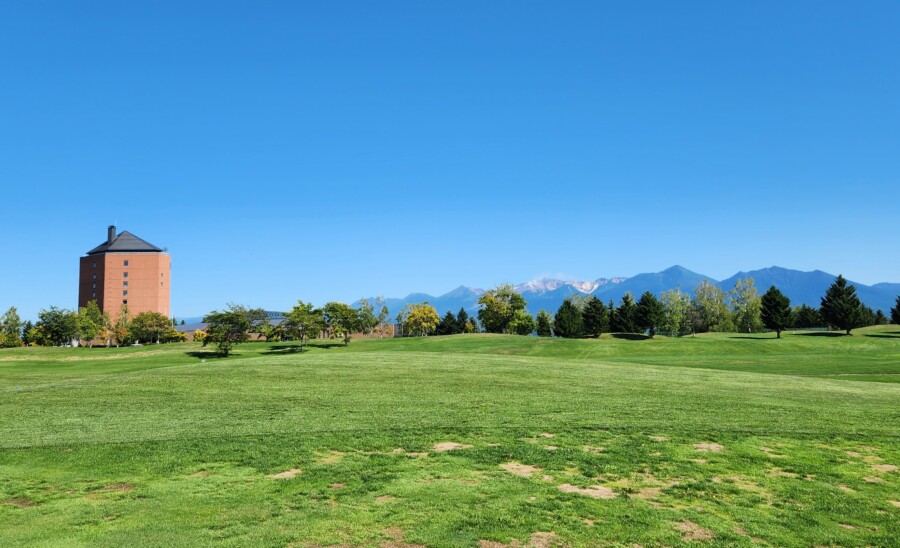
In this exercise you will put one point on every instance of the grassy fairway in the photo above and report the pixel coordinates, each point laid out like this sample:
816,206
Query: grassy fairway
455,441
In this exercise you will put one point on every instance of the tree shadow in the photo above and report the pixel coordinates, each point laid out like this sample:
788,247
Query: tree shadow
208,354
822,334
754,337
891,335
630,336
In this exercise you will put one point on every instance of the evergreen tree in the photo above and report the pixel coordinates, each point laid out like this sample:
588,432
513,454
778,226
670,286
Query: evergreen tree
26,337
841,307
650,313
544,324
612,314
895,313
625,316
568,322
775,311
462,318
807,316
447,326
595,317
867,316
880,318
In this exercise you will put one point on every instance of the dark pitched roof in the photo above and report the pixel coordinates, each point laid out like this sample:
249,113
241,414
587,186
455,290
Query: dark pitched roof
125,242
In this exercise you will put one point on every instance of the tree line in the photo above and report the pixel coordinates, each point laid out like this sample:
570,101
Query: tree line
86,326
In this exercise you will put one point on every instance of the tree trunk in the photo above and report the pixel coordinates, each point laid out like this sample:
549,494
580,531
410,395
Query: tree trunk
778,332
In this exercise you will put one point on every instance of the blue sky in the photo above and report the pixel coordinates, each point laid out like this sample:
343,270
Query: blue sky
286,150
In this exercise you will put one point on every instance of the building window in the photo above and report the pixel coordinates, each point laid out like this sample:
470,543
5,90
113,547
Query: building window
94,295
95,265
93,286
124,292
95,277
124,301
125,283
126,262
124,274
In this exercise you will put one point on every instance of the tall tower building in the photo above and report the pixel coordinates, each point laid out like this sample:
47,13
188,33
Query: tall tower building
125,270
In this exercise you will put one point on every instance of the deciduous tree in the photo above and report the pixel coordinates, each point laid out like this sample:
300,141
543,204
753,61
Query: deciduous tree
227,329
341,320
522,323
499,307
745,306
419,320
303,322
59,325
89,322
710,308
150,326
10,329
677,315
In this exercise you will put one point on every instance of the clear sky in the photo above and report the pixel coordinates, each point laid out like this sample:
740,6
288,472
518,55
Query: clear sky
333,150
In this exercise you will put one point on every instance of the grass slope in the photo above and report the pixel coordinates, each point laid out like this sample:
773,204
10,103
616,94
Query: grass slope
718,440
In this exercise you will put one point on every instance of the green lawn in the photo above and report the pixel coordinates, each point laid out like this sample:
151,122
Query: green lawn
716,439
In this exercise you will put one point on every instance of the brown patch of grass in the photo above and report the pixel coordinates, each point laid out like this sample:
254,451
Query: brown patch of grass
895,503
658,438
594,491
331,457
547,435
779,473
884,467
699,461
846,526
708,447
551,448
338,485
592,449
449,446
20,502
287,474
771,453
537,540
872,479
199,474
844,488
396,536
519,469
385,498
691,531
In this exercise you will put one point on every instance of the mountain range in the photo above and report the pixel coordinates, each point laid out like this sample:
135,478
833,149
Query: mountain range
548,294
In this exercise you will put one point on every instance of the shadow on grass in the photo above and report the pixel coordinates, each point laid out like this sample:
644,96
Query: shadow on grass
208,354
630,336
755,337
822,334
892,335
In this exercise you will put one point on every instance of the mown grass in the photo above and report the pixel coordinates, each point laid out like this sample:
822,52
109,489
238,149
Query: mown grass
717,440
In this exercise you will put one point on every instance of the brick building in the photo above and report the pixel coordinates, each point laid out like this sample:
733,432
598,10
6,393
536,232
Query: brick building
125,270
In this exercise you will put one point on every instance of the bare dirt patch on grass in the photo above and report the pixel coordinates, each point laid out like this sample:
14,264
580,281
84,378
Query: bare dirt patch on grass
594,491
537,540
449,446
691,531
385,498
708,447
287,474
331,457
396,535
884,467
519,469
772,453
20,502
658,438
872,479
845,489
547,435
895,503
338,485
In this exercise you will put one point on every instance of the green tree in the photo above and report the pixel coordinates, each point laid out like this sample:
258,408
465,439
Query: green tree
806,316
121,327
447,325
368,321
594,317
418,320
895,313
462,320
26,335
10,329
677,311
90,322
498,308
710,308
544,324
59,325
303,322
745,306
841,307
880,318
341,320
625,319
151,326
650,313
568,322
775,311
227,329
384,316
522,323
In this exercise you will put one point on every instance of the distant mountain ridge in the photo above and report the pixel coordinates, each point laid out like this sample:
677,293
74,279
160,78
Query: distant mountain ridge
548,293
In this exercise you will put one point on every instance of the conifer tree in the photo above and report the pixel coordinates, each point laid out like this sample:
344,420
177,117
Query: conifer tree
841,307
650,313
626,316
775,311
462,318
807,316
595,317
447,325
895,313
568,322
544,324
